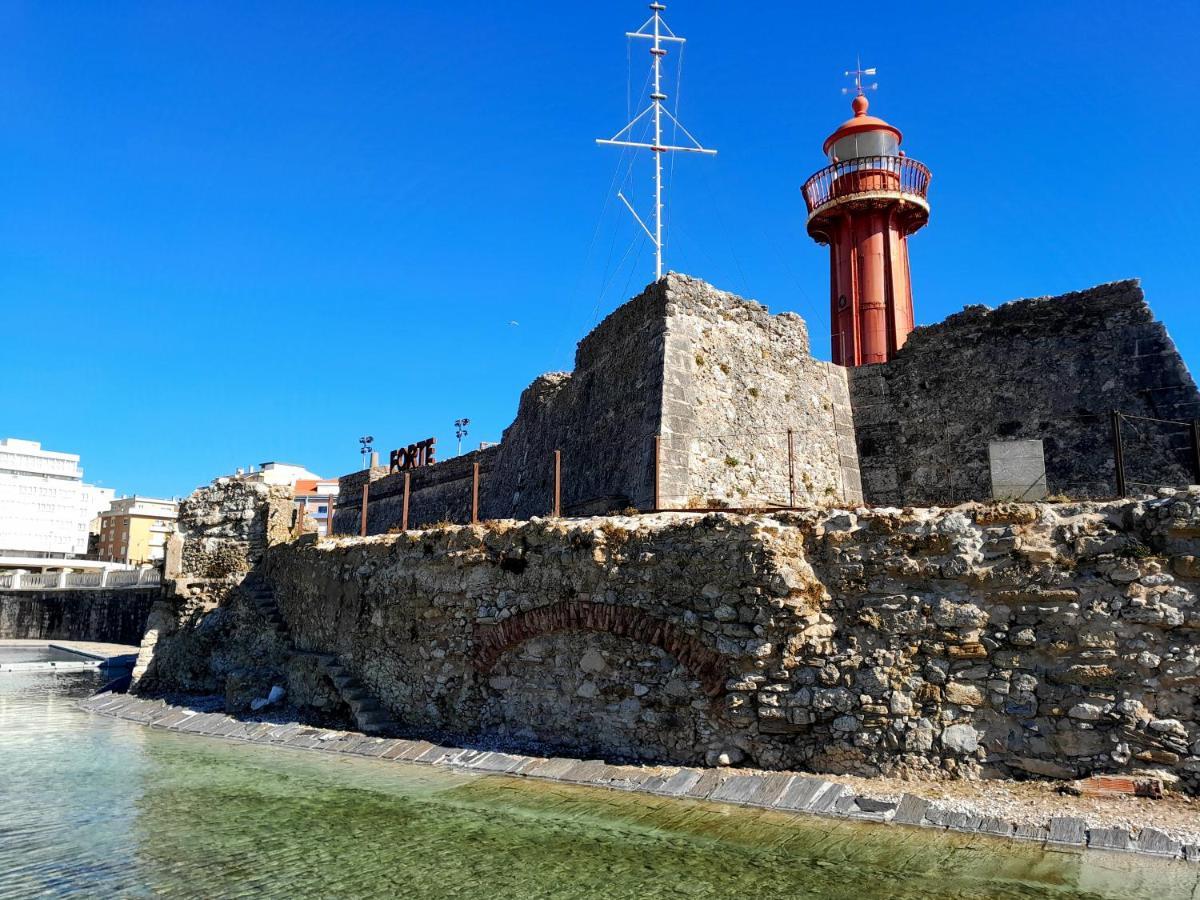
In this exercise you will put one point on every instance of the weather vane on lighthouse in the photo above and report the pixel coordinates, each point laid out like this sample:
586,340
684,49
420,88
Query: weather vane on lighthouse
656,30
858,73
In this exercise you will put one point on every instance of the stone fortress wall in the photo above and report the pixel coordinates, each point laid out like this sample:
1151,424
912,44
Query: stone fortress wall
1000,640
1051,368
1003,639
722,381
718,377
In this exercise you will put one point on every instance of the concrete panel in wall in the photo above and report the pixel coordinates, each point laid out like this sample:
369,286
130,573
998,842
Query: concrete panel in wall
1018,470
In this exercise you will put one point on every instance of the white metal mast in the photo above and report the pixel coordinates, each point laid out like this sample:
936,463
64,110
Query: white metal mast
659,34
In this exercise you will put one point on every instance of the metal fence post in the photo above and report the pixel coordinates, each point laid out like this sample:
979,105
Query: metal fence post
362,526
1119,454
404,505
557,483
791,468
657,471
475,493
1196,449
329,506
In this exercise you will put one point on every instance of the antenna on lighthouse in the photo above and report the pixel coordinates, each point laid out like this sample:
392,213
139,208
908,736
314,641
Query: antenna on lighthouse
656,30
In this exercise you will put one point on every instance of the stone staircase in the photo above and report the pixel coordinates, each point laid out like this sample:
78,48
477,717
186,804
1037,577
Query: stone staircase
370,717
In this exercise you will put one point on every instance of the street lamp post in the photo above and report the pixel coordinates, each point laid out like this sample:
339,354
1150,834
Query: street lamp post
365,450
460,431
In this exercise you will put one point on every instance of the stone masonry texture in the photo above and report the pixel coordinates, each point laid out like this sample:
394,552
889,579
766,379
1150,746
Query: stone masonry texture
226,528
1054,640
718,377
1049,369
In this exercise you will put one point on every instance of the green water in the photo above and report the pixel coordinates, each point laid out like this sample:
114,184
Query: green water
95,807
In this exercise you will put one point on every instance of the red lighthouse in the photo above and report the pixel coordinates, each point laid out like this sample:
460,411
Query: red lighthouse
864,205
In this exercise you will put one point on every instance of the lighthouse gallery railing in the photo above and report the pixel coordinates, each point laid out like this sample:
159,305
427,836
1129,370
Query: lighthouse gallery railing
866,174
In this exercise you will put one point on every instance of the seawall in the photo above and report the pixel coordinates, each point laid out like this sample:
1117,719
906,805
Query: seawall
1011,640
115,616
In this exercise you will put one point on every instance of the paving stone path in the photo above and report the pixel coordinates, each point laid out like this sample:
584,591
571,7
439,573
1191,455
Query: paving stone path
782,791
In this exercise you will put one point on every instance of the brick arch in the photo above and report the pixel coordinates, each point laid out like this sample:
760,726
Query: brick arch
706,665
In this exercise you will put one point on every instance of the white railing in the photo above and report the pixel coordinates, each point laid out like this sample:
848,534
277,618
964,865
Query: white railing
55,581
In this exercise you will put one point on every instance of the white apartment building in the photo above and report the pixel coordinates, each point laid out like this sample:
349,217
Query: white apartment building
45,506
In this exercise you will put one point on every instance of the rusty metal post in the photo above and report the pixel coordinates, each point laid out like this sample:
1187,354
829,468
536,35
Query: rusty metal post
791,468
362,528
1119,454
557,483
657,471
404,507
1196,449
475,493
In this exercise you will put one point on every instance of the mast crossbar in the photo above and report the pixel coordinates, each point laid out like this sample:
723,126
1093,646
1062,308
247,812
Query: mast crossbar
659,147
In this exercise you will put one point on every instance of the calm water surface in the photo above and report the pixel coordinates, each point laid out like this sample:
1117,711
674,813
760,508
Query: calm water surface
94,807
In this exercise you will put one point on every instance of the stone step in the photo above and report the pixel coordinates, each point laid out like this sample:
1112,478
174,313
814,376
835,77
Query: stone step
364,705
353,692
388,726
372,718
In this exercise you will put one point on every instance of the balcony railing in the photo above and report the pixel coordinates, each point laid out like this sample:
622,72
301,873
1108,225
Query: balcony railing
866,175
50,581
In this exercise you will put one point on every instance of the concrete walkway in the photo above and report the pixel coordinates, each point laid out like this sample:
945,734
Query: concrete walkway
782,791
90,655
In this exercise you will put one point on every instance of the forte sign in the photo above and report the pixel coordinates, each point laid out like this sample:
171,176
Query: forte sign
414,456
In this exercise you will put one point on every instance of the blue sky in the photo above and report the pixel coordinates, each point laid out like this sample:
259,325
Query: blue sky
235,232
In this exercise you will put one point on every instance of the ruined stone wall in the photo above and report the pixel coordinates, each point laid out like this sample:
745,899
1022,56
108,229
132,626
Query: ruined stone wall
1052,369
227,526
718,377
116,616
225,529
738,378
1045,639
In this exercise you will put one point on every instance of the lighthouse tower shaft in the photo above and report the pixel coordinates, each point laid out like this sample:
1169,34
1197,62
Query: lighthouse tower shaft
864,205
871,305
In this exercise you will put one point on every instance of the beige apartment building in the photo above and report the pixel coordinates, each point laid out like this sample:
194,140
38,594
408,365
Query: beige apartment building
135,529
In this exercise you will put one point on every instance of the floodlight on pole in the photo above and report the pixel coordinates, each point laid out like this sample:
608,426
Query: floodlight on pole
656,30
460,431
365,450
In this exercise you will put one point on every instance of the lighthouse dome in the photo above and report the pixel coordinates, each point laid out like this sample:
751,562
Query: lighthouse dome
862,135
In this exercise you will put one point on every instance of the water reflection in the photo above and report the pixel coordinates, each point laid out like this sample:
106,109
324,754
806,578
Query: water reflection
95,807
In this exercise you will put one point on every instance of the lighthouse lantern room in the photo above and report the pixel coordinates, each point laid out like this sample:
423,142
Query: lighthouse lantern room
864,205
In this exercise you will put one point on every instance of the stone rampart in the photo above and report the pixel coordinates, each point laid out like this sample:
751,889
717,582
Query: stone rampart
718,378
1031,639
1050,369
116,616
